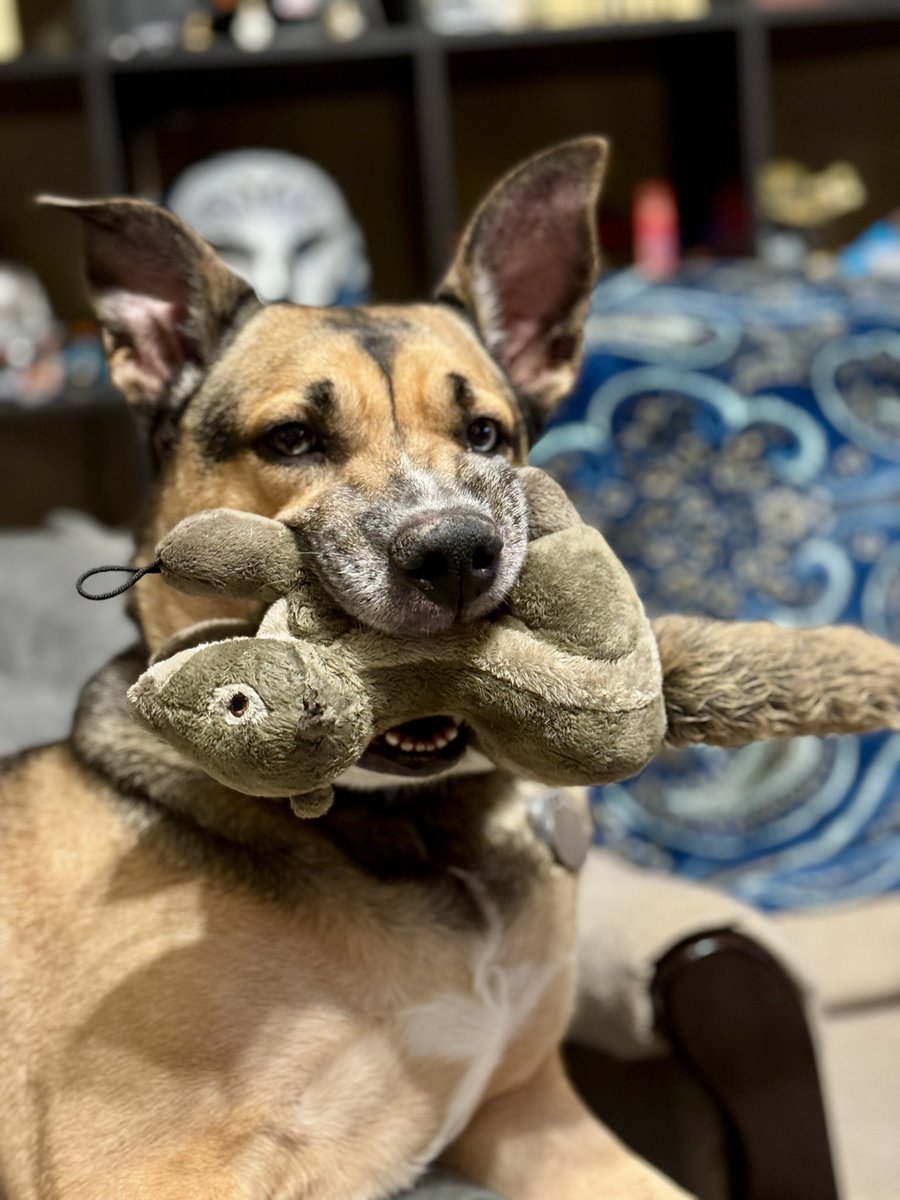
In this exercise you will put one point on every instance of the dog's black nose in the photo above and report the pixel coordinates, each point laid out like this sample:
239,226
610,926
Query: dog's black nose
452,557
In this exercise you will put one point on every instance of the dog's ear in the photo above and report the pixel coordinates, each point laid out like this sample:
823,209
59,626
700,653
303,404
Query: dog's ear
727,683
526,266
162,295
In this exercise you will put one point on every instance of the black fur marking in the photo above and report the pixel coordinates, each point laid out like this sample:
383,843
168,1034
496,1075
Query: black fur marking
529,422
451,300
320,398
463,396
378,339
428,832
529,425
217,433
381,348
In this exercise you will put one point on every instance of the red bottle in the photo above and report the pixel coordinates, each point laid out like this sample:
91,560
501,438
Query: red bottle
655,228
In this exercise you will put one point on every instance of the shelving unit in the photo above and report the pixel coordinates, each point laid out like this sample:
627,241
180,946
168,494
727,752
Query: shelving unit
414,125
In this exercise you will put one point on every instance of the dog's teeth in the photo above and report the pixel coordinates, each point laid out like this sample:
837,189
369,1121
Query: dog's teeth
397,739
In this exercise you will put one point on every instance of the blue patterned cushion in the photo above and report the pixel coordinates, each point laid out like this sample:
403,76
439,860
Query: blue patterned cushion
736,435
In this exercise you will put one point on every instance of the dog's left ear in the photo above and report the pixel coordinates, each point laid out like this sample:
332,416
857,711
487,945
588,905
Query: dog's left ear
526,266
162,295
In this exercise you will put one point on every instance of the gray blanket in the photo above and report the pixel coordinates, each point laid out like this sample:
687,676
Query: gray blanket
51,640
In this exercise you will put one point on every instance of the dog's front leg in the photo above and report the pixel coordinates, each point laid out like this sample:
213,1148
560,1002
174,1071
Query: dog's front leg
539,1141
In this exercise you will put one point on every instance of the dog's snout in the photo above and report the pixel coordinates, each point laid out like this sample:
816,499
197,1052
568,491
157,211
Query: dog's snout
452,557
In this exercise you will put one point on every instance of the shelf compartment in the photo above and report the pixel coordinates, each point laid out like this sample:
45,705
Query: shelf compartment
356,123
505,108
836,95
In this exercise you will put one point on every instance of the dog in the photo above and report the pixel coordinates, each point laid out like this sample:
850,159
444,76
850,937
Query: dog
202,996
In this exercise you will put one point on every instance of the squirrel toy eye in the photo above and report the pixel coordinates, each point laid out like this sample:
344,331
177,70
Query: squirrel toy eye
483,435
291,440
238,703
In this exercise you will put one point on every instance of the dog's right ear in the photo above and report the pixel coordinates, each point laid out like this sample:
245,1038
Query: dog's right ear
162,295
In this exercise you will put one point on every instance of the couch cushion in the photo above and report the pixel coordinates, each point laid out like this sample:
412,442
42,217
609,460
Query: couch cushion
859,1051
849,955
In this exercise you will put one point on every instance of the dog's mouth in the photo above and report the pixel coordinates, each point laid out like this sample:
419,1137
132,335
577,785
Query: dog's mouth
426,746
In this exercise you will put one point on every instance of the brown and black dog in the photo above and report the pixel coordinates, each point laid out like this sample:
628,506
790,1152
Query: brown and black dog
202,997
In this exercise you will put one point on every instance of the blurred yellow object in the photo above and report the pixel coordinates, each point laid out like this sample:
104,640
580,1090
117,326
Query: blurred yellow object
608,12
10,31
602,12
790,194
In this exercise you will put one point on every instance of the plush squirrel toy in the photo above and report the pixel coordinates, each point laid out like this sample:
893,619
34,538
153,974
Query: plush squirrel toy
568,684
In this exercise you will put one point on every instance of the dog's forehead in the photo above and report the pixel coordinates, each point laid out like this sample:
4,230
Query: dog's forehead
374,352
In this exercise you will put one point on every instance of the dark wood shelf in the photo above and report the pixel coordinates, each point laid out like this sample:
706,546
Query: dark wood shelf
99,398
423,89
37,66
401,39
846,12
586,34
388,42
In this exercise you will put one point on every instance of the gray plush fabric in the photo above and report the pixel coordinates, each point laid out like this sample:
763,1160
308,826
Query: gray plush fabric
51,638
441,1185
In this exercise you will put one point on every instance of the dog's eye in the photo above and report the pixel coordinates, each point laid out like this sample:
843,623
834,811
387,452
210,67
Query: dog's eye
291,440
483,435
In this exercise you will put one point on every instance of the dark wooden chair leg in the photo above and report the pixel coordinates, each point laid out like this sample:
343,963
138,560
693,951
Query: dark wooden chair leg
736,1018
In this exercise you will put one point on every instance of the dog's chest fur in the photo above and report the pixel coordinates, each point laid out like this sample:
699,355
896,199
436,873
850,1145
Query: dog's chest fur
282,989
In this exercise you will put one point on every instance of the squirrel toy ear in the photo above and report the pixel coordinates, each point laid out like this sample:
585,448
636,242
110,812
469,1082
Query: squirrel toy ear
223,552
216,629
729,683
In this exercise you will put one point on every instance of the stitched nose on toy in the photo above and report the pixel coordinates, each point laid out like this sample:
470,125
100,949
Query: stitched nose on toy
452,556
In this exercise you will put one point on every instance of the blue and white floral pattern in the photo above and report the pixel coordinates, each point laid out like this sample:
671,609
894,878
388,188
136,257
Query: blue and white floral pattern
736,435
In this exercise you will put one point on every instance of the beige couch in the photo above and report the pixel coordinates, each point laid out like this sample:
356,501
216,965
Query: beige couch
735,1072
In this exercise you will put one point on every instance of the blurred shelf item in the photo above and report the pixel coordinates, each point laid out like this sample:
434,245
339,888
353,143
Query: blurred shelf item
10,30
416,116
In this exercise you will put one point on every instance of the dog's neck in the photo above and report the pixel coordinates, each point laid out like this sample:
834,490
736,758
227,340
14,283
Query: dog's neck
396,833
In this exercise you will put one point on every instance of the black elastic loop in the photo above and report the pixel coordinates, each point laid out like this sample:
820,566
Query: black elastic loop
152,568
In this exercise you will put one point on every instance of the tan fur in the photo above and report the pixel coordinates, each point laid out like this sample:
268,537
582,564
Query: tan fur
187,1038
202,996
